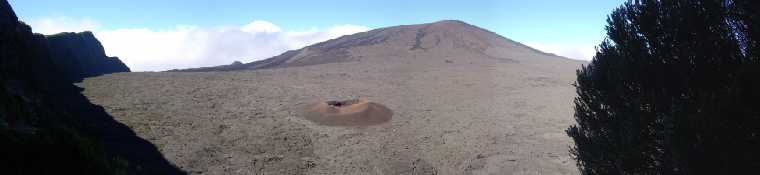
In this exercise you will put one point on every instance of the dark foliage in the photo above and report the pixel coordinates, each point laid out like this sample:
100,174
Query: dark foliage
47,126
673,90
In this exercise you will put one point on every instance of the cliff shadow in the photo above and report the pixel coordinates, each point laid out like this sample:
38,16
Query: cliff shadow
118,139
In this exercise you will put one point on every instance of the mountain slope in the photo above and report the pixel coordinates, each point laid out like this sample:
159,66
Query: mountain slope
443,37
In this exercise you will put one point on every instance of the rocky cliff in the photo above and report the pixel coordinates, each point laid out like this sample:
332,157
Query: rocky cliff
81,55
46,125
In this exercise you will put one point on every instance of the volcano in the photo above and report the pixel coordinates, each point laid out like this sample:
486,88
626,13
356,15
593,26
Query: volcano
448,38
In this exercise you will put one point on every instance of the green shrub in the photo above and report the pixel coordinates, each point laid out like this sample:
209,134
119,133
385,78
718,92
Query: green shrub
673,90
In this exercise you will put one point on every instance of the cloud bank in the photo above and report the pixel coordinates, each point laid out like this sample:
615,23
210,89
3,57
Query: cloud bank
144,49
570,50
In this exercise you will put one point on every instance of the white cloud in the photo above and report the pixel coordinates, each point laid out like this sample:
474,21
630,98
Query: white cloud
261,26
569,50
144,49
55,25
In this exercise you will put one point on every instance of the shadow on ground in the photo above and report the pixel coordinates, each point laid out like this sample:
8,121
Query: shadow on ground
119,140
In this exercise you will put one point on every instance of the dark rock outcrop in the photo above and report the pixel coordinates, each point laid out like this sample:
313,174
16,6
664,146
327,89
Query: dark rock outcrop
46,125
81,55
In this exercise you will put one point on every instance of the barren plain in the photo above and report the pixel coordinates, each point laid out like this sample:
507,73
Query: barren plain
500,110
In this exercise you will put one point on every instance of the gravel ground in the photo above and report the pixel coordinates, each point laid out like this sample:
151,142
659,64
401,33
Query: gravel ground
451,115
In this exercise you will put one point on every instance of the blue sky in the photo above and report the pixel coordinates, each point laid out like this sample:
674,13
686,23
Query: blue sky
564,27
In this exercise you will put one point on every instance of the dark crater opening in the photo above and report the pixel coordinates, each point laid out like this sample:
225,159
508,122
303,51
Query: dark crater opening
342,103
